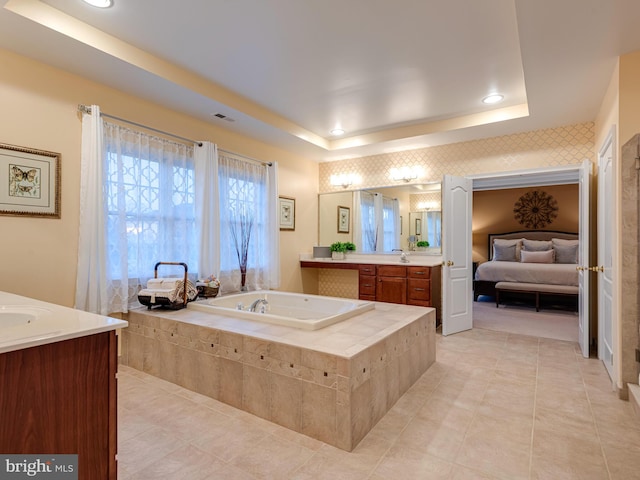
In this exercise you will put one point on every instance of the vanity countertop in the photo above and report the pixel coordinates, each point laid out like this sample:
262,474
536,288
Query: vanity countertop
26,322
414,259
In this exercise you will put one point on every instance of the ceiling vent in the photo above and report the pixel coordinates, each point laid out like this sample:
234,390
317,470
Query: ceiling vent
223,117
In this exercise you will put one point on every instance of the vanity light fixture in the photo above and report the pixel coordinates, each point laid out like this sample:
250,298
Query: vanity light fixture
406,174
337,131
493,98
99,3
427,205
344,180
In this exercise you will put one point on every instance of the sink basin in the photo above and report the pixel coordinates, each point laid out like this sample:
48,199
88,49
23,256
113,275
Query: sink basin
13,319
26,322
18,315
22,321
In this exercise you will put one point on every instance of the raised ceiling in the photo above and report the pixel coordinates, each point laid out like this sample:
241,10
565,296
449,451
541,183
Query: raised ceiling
394,75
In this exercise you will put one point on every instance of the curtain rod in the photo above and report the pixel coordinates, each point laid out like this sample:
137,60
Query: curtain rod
86,109
266,164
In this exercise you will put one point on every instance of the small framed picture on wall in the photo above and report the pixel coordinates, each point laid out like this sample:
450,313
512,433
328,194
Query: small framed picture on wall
287,209
344,219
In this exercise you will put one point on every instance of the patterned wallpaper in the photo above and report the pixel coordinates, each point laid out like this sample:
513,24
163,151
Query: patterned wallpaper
567,145
433,199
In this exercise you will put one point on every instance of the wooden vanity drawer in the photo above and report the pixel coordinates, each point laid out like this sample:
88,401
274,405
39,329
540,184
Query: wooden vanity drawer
367,285
392,271
418,289
419,272
367,270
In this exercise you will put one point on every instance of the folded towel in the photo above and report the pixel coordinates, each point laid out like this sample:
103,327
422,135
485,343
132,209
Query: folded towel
169,288
192,291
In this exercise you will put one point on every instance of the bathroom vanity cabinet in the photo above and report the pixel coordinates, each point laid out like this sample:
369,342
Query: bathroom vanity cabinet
403,284
391,284
60,398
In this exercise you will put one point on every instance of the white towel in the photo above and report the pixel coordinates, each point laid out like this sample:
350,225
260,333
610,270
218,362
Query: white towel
169,288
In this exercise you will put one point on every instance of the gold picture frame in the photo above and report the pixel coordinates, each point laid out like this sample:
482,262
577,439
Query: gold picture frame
29,182
287,213
344,219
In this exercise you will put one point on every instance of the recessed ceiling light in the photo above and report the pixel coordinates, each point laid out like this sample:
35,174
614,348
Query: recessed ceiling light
337,131
100,3
493,98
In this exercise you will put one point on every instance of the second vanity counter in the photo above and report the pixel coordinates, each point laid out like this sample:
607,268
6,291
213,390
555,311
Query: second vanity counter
385,278
351,259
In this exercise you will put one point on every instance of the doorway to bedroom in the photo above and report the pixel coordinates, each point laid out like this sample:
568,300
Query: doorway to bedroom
457,251
527,210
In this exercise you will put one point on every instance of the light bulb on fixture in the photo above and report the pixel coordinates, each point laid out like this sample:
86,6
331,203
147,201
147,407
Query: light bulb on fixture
344,180
405,174
493,98
99,3
337,131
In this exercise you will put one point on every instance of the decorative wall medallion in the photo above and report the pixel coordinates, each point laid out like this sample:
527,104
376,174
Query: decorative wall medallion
536,209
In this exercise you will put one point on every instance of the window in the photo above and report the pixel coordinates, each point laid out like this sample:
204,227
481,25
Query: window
379,223
244,219
150,193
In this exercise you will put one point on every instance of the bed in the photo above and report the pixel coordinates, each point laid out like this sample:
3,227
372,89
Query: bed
531,262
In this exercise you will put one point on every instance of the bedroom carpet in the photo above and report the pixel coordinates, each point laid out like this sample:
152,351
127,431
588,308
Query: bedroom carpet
524,320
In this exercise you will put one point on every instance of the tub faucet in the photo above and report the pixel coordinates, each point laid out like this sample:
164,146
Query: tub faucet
254,305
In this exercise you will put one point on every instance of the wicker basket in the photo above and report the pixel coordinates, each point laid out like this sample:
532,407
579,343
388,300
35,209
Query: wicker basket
207,292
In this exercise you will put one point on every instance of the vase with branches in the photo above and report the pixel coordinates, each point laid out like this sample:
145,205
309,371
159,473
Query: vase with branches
241,233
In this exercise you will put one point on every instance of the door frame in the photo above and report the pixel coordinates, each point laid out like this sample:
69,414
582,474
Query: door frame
613,369
535,177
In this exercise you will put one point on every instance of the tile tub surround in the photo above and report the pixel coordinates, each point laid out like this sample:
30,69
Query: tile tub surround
332,384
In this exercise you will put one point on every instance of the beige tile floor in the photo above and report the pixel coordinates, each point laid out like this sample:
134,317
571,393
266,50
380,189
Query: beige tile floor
494,406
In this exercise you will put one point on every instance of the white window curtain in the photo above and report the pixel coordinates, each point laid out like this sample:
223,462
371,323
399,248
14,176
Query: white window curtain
248,226
93,284
368,222
357,221
207,211
146,197
434,227
391,223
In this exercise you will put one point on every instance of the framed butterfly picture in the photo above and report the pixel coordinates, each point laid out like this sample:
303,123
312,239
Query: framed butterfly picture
29,182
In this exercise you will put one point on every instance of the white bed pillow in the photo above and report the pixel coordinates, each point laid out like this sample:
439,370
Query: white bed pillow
536,245
504,255
543,256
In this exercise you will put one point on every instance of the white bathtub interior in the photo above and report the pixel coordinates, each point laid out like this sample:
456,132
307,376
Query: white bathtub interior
308,312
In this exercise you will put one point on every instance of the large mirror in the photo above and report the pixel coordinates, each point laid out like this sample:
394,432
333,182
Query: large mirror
416,207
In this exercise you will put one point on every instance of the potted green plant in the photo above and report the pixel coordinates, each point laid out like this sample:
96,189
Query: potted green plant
349,247
422,245
337,250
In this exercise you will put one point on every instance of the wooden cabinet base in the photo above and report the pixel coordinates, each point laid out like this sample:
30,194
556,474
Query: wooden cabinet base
61,398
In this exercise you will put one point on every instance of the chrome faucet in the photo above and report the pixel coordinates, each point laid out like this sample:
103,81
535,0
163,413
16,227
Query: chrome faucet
254,305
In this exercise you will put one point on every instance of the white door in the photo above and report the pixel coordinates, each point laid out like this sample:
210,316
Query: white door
457,311
583,259
606,239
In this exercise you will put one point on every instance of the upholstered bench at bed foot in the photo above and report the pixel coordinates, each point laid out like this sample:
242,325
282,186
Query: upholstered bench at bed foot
535,289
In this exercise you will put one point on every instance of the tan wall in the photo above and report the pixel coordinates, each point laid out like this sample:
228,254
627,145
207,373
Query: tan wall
629,96
328,218
493,213
39,110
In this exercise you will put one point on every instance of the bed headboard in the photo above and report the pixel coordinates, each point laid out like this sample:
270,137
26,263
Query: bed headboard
530,235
